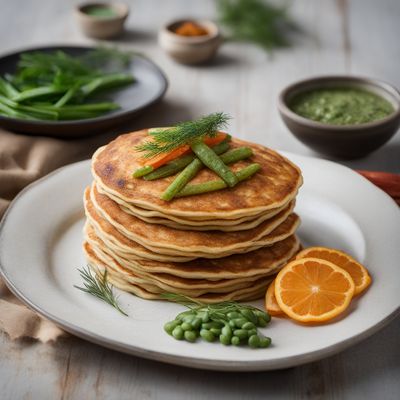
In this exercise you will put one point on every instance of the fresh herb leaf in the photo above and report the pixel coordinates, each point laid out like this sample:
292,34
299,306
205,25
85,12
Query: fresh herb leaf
166,140
97,286
255,21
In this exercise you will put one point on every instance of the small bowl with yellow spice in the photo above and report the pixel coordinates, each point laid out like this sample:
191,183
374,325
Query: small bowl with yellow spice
190,41
341,116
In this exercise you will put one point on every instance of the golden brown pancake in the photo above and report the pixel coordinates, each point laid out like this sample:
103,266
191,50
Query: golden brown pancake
171,241
273,186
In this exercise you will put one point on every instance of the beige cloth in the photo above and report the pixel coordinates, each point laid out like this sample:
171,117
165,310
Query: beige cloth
24,159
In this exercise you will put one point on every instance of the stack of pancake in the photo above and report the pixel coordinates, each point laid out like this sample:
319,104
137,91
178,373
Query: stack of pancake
222,245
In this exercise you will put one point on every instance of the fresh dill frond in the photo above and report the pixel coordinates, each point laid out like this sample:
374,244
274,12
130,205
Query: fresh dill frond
167,140
97,286
256,21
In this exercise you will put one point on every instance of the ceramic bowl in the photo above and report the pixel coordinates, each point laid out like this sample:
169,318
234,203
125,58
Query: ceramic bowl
342,141
102,27
190,49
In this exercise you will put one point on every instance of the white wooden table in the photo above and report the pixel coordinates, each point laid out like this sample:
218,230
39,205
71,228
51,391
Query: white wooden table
343,36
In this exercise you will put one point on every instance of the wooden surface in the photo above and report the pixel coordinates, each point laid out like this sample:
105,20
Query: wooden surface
353,36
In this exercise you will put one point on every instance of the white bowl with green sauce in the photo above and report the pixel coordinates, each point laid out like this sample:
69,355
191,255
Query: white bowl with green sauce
341,116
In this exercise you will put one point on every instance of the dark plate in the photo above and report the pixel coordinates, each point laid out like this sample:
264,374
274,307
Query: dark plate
149,87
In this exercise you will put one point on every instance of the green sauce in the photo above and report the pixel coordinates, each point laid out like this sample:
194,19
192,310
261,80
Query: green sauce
100,11
341,106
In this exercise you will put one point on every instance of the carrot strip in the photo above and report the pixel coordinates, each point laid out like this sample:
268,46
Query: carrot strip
164,158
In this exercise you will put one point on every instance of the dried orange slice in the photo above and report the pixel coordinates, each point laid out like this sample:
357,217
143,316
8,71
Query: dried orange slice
313,290
358,272
271,304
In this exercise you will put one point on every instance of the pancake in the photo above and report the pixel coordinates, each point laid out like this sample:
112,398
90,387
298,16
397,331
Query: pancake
273,186
164,240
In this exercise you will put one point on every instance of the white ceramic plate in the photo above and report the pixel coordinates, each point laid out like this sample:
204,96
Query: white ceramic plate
40,251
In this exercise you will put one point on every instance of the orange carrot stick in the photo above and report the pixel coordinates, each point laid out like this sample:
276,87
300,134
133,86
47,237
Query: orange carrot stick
163,158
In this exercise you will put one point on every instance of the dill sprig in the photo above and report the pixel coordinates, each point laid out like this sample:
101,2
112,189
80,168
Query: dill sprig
97,286
166,140
255,21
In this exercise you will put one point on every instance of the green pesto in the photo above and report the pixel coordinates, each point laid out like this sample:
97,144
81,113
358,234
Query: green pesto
341,106
100,11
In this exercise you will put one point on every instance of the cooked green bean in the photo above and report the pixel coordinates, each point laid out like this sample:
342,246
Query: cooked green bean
189,172
210,186
142,171
177,165
237,154
212,161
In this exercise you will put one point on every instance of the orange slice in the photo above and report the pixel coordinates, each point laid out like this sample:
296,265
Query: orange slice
313,290
271,304
358,272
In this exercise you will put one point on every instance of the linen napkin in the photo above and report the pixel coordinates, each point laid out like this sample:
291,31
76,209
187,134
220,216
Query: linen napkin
23,159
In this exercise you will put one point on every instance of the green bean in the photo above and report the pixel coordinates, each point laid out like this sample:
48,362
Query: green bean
212,161
241,333
177,165
143,171
237,154
226,340
190,336
235,341
207,335
265,342
248,325
188,173
177,333
36,92
219,184
254,341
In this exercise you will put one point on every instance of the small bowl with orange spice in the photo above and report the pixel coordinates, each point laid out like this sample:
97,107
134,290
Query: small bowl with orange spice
190,41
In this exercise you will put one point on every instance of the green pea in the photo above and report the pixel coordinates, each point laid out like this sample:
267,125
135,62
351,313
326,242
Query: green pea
241,333
226,330
226,340
239,322
263,315
177,333
249,315
170,326
207,335
188,318
187,326
233,315
212,324
190,336
216,331
196,323
252,332
265,342
248,326
254,341
204,315
232,324
262,322
235,341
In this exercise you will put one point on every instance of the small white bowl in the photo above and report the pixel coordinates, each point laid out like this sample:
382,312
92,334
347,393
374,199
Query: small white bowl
190,49
102,27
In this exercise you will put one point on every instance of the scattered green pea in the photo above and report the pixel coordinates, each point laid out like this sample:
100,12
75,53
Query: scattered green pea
249,315
226,340
248,326
233,315
196,323
239,322
265,342
252,332
254,341
190,336
205,316
241,333
226,330
170,326
207,335
235,341
262,322
187,326
177,333
216,331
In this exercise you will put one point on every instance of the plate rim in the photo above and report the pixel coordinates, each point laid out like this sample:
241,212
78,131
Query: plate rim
100,119
182,360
